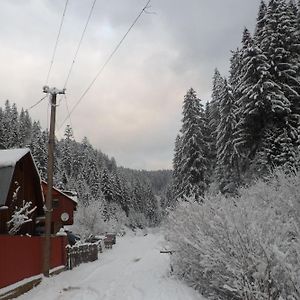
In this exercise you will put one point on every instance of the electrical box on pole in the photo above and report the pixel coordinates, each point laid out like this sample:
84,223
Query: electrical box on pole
53,92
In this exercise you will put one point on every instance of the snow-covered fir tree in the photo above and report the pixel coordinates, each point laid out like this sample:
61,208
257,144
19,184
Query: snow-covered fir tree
260,24
176,168
228,158
194,163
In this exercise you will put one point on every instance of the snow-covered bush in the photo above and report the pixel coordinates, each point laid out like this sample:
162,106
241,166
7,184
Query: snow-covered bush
88,220
91,219
247,247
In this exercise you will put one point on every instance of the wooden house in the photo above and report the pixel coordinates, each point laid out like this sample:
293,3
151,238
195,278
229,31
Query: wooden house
20,183
63,204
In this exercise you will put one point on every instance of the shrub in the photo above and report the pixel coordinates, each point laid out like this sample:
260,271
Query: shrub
245,247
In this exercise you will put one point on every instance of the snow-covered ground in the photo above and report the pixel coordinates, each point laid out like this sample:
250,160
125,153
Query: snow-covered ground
133,270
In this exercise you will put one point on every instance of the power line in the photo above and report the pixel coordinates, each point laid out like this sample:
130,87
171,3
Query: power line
37,103
106,62
80,42
56,43
68,110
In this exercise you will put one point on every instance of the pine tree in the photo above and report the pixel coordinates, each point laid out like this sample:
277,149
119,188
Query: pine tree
280,44
176,167
106,186
228,165
6,131
14,126
210,137
24,130
38,146
194,164
256,92
151,208
214,107
293,7
66,151
260,24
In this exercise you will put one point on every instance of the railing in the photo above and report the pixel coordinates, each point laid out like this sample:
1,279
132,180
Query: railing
78,254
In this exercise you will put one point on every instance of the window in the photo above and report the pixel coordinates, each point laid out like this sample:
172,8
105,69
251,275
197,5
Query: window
55,203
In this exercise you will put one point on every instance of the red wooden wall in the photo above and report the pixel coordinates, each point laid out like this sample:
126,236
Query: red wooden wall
22,257
65,205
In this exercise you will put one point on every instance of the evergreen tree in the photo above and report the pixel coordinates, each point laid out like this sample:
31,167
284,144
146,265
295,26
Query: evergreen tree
24,130
6,128
151,208
194,164
66,151
256,92
280,44
260,24
14,127
228,166
38,146
176,168
214,107
106,186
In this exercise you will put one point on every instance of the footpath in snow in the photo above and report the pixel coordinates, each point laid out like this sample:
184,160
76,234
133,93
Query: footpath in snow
133,270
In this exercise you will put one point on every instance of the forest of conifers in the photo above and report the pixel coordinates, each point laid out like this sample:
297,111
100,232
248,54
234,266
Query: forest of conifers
251,124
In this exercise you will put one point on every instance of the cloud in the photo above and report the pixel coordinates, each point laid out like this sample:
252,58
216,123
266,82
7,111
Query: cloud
133,110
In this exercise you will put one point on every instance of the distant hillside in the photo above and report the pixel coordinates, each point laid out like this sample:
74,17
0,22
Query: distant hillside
88,171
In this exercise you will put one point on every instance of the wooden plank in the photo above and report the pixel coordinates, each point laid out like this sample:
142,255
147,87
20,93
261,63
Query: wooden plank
20,290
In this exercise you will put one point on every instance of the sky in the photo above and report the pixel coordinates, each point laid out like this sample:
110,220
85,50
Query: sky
133,110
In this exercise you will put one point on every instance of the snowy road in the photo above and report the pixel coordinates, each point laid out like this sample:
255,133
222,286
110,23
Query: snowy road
133,270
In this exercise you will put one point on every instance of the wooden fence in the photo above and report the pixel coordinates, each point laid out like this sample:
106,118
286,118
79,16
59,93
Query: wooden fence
22,257
78,254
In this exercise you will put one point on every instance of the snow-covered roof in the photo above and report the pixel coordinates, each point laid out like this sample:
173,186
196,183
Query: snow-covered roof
66,194
72,195
9,158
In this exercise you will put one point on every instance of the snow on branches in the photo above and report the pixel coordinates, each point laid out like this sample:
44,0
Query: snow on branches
21,216
244,247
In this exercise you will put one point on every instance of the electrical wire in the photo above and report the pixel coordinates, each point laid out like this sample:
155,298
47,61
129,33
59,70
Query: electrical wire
56,43
37,103
79,44
68,110
106,63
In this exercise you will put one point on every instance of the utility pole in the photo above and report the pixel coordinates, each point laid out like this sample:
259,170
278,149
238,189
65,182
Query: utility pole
48,205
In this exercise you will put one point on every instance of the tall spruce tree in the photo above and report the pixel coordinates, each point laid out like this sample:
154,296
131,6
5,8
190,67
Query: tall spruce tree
176,168
228,164
260,24
281,45
256,90
214,106
194,164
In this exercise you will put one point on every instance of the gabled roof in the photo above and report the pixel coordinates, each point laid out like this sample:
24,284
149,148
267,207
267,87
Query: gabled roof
8,160
72,198
9,157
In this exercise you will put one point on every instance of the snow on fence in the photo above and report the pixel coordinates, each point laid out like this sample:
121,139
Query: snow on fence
78,254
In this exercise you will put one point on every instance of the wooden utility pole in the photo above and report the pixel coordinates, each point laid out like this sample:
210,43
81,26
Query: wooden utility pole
48,205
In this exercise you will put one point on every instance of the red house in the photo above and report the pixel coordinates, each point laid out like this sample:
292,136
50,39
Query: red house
63,205
20,184
21,251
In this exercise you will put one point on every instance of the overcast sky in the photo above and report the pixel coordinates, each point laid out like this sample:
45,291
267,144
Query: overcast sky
133,110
